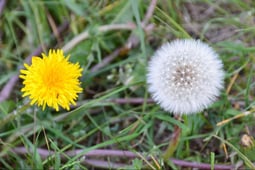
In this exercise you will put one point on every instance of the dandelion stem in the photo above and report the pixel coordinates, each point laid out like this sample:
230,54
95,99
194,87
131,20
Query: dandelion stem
173,143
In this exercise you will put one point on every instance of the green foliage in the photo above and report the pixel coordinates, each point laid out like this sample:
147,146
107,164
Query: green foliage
98,121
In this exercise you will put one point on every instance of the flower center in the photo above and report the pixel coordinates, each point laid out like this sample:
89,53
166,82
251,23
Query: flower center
184,76
52,79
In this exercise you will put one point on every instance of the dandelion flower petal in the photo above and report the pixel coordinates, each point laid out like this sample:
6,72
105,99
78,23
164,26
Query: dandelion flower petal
51,80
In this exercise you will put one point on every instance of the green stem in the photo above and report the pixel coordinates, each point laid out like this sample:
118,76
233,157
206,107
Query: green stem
173,143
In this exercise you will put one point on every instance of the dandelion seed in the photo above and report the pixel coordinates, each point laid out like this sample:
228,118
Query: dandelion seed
185,76
51,80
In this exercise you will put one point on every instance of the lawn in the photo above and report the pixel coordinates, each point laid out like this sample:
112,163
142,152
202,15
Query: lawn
114,122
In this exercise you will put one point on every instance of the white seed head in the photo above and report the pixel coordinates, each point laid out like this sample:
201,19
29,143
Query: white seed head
185,76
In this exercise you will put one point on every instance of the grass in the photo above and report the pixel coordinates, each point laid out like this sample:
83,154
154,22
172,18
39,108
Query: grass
115,111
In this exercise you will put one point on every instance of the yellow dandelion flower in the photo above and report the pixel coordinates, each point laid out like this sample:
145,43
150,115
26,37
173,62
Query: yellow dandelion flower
51,80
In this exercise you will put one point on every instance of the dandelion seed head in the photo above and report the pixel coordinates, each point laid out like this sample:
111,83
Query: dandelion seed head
185,76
